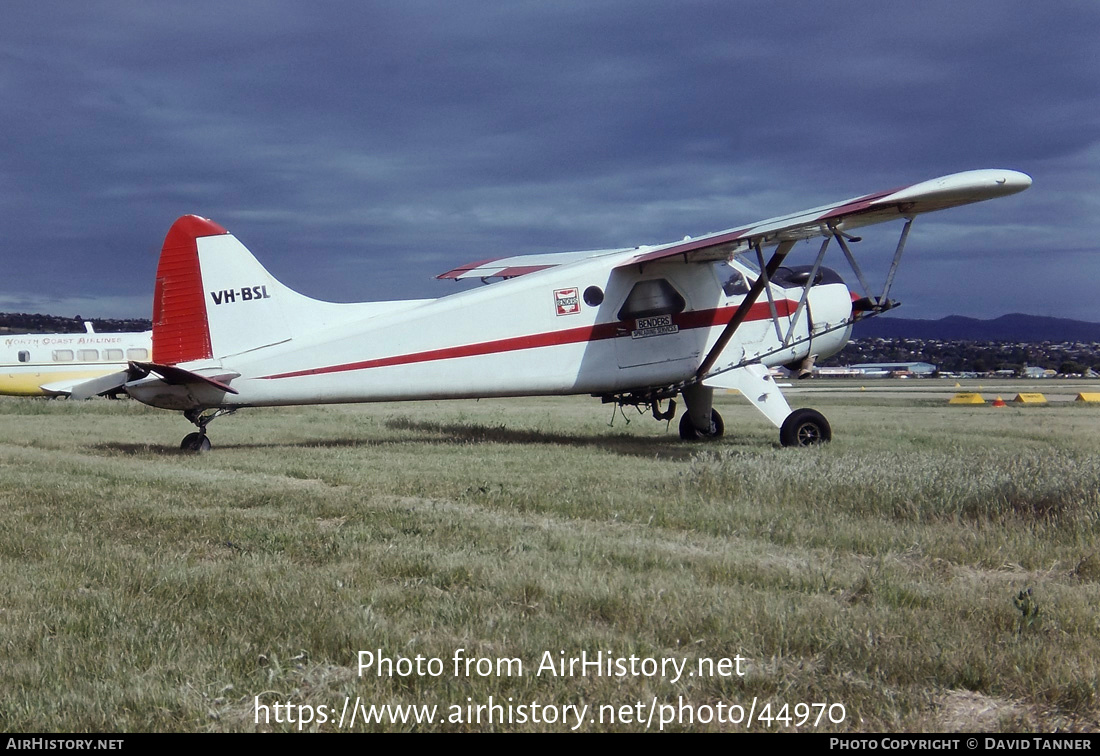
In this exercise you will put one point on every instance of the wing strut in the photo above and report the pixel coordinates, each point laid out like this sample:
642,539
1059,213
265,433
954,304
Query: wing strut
806,290
766,275
881,303
851,259
895,261
766,272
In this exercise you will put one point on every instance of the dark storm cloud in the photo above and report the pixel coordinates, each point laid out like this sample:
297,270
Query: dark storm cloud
359,148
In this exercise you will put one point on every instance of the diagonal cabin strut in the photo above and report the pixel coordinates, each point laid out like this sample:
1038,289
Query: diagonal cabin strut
738,318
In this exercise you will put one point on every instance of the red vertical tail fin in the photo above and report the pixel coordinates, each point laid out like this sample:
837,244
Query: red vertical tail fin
181,330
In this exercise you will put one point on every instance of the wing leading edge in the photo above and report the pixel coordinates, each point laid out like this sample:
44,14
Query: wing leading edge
904,202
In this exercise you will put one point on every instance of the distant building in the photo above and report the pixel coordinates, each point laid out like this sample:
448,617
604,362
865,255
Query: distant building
883,369
836,372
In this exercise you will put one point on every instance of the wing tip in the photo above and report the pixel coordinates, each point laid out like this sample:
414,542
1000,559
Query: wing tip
963,187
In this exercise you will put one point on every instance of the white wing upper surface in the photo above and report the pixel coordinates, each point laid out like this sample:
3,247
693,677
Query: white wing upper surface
903,202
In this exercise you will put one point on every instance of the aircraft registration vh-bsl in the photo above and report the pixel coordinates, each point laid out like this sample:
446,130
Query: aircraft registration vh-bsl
635,326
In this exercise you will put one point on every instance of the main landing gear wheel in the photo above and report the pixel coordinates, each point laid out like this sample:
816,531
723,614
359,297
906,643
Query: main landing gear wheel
688,431
195,442
805,427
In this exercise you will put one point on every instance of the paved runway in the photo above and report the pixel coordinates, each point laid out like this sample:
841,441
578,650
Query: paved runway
1055,390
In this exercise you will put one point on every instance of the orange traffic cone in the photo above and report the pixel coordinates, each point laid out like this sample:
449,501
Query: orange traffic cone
999,402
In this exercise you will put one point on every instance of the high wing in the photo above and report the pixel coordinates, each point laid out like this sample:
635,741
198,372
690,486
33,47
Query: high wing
519,265
904,202
831,222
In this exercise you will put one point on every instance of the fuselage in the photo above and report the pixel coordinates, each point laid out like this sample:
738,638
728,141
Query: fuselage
583,328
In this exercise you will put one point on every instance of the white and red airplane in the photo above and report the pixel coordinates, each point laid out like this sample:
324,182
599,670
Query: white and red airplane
634,326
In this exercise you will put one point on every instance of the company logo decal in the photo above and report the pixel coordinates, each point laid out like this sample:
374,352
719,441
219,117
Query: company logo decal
658,325
567,301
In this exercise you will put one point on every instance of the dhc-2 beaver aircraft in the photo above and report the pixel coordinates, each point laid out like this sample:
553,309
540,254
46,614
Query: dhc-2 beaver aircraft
634,326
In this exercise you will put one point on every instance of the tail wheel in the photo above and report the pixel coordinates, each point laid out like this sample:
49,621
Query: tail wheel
688,431
195,442
805,427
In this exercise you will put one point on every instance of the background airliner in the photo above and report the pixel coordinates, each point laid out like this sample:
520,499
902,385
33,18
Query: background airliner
50,364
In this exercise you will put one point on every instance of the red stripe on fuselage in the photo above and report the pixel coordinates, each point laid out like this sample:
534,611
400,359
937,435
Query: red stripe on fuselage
598,332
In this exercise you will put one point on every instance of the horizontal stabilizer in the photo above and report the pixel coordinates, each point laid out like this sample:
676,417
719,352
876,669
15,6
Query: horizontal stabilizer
137,370
94,387
178,376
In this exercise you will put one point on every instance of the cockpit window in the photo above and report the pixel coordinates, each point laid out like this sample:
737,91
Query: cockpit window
795,277
735,284
649,298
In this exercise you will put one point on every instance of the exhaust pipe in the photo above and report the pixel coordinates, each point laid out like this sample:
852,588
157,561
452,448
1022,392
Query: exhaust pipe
806,367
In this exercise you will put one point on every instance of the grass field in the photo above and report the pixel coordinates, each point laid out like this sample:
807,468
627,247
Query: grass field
142,589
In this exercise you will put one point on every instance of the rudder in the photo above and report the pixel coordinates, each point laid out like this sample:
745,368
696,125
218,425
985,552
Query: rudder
181,332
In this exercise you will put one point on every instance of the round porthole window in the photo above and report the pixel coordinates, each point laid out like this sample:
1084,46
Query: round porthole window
593,296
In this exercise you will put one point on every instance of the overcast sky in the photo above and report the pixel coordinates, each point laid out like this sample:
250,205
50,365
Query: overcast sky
360,148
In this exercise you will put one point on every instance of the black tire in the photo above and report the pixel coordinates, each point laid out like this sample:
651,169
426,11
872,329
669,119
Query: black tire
688,431
805,427
195,442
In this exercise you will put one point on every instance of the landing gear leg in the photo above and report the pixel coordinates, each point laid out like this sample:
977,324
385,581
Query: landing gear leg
701,421
198,442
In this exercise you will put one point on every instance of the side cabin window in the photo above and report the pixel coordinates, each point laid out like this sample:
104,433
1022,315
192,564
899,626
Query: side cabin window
649,298
114,355
63,355
24,356
137,354
88,355
734,283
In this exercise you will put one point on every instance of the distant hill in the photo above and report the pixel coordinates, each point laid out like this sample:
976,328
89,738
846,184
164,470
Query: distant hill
1011,328
22,322
1014,328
